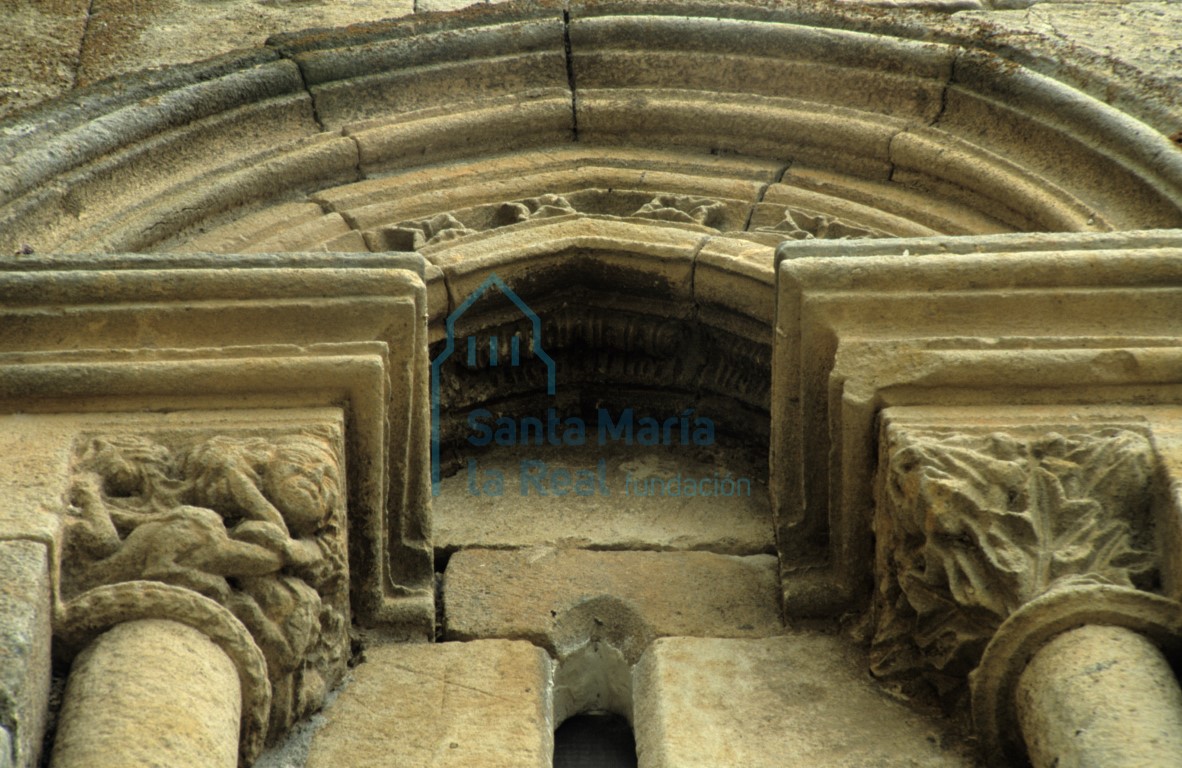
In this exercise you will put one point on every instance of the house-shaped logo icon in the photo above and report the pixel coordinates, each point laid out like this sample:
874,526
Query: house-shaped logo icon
496,356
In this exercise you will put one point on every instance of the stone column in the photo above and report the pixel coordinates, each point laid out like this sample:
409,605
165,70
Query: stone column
1016,560
1100,697
148,693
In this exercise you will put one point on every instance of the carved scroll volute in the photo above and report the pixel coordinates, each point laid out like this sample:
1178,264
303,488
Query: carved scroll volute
255,524
971,526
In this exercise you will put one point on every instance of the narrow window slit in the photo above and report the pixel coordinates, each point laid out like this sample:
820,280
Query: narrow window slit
595,740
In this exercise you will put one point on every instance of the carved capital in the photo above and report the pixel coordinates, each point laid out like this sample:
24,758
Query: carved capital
972,525
254,524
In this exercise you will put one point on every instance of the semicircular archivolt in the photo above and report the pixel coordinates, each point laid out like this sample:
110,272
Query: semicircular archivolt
353,139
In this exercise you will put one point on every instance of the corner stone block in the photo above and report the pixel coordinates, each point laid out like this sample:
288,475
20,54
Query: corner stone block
24,650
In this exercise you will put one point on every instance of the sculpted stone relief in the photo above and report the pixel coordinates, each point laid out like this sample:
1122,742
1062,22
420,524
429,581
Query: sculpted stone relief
683,209
801,225
541,207
436,229
970,527
255,524
414,234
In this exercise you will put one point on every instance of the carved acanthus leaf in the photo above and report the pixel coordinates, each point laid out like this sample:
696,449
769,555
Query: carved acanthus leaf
255,524
683,209
972,526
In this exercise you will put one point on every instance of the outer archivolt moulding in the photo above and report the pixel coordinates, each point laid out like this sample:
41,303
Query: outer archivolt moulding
935,135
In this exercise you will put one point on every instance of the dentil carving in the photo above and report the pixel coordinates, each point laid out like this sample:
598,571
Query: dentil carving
972,526
255,524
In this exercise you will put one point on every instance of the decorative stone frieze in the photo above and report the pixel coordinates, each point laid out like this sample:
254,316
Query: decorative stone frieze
436,229
442,227
679,208
542,207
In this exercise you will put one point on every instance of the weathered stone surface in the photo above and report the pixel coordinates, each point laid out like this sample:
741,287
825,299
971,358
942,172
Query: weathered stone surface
649,252
737,276
124,36
150,693
800,699
255,523
594,180
1128,36
239,111
614,54
25,608
1100,696
373,77
39,50
540,594
312,359
611,515
866,116
429,6
973,523
481,703
1167,442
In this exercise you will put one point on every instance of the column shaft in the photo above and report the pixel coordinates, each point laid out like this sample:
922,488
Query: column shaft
150,693
1100,697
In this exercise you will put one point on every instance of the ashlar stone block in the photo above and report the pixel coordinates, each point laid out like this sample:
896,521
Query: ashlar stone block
442,705
799,699
560,598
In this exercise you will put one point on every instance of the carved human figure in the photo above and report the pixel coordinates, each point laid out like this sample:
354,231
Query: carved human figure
286,491
247,522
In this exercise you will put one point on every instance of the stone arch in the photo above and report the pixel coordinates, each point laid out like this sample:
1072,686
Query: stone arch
329,130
